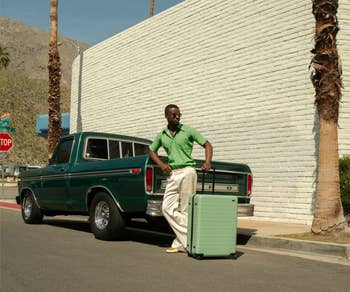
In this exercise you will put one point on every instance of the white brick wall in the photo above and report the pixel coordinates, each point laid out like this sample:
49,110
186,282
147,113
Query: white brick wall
239,74
344,51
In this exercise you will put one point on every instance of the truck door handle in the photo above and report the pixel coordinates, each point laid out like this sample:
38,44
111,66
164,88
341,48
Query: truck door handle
62,170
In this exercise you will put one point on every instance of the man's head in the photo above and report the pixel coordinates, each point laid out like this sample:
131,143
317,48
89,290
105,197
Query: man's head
172,114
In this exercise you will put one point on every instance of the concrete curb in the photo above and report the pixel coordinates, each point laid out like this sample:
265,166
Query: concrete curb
300,246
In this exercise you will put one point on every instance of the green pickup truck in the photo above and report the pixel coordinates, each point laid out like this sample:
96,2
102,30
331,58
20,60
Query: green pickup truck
112,179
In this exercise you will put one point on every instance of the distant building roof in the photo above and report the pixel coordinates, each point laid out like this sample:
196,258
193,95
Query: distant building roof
42,124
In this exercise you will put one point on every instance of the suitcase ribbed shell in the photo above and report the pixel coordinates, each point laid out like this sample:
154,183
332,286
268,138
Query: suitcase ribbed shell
212,225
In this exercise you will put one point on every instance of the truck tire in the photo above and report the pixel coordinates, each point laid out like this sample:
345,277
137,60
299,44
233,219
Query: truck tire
105,218
31,213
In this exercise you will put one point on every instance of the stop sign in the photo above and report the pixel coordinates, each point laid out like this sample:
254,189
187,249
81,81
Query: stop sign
5,142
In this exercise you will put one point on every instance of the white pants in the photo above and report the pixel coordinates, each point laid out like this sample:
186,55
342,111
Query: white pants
181,184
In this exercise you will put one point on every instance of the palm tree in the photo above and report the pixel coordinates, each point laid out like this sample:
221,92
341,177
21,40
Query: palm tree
4,58
54,126
326,78
151,12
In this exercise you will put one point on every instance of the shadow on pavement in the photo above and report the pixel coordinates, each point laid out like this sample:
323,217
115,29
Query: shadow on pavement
159,234
69,224
139,231
242,239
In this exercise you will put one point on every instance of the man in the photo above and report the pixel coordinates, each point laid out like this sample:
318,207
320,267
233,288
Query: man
177,140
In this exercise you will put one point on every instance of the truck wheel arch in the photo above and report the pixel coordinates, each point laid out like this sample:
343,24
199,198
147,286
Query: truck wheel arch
29,190
98,188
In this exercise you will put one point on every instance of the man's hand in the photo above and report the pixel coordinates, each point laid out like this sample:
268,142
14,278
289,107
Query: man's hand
163,166
166,168
206,166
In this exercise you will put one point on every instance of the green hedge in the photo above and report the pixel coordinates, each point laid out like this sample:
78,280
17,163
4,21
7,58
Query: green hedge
344,169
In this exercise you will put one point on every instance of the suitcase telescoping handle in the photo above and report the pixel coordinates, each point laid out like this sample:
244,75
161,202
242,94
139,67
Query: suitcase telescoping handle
204,173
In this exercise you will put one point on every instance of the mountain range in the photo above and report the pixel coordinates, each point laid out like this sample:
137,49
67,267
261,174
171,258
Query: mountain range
29,46
24,86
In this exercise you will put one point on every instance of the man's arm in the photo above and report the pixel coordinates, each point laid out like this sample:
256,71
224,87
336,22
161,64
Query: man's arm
163,166
208,156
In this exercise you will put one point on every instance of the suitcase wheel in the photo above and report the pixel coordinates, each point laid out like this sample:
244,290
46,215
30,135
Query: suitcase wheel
197,256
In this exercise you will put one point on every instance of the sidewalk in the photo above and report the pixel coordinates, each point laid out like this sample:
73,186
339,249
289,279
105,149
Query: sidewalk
8,184
266,228
263,234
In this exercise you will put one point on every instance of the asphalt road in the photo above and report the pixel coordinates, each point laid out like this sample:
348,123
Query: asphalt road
63,255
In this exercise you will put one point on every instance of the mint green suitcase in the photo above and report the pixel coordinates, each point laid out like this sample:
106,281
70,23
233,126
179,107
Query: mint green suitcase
212,225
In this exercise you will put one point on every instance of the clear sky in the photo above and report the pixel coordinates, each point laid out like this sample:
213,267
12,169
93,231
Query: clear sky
89,21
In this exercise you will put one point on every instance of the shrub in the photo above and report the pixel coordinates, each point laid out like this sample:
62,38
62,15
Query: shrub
344,170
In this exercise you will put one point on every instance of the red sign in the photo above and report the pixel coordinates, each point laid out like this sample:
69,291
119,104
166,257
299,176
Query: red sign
6,142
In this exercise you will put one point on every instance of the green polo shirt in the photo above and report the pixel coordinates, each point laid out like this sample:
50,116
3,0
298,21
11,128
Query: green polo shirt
179,148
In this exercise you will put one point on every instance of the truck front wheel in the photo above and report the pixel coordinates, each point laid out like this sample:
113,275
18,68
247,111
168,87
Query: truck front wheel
105,218
31,213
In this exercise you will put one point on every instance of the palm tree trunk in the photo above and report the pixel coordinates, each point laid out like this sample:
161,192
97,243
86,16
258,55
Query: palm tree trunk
326,78
54,124
151,12
328,212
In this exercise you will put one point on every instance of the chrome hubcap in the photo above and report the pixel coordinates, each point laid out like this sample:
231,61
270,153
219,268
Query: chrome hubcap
102,215
27,207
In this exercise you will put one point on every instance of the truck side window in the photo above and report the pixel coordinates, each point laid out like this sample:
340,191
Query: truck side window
114,149
140,149
96,148
127,149
63,152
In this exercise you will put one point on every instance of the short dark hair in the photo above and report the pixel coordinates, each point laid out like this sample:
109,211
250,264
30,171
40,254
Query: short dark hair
168,107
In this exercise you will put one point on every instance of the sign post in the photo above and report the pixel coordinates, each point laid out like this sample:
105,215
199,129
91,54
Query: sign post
2,177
